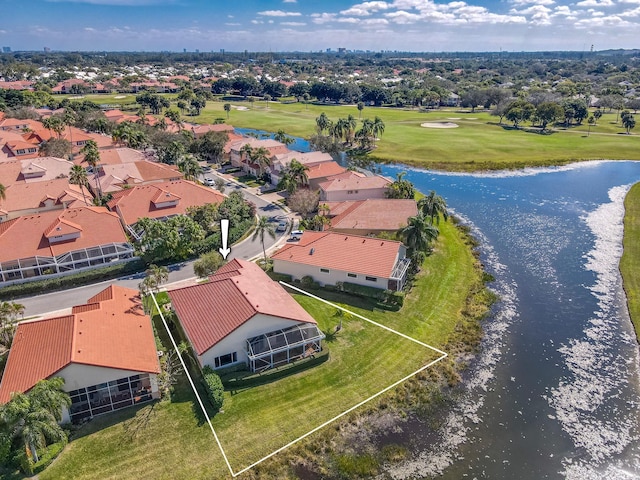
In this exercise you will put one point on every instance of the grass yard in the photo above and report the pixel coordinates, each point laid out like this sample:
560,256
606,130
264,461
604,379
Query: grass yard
166,440
478,142
630,261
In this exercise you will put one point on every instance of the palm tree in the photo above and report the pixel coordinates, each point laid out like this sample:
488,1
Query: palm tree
156,276
190,167
92,157
263,226
282,137
360,108
246,151
298,172
419,233
432,206
227,108
261,157
33,417
351,125
9,313
3,192
323,123
78,176
377,128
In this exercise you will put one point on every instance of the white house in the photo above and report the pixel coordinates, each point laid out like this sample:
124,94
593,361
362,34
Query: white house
105,350
241,316
330,258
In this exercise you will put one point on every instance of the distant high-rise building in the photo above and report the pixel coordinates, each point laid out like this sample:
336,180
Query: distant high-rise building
47,49
184,50
6,49
342,49
197,50
222,50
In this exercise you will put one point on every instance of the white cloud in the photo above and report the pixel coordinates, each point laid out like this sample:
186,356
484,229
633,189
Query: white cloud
539,14
289,1
374,21
403,18
293,24
321,18
629,1
279,13
230,16
257,22
118,3
366,8
631,13
348,20
534,2
602,22
562,10
595,3
232,24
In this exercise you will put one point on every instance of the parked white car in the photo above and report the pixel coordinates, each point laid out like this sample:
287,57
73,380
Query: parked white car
209,182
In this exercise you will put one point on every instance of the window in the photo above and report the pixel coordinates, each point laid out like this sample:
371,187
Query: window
352,275
227,359
371,279
324,270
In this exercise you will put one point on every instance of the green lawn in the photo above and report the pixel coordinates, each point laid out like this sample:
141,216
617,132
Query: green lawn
166,440
630,261
478,143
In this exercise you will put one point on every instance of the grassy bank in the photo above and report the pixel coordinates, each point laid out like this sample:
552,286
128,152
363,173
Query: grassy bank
630,261
478,142
169,440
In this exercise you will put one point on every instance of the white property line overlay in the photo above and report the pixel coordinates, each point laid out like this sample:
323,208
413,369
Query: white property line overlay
193,387
443,355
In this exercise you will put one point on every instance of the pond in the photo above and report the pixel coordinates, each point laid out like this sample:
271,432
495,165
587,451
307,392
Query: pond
554,393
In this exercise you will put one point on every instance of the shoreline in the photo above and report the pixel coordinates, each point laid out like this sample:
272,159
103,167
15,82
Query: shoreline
630,260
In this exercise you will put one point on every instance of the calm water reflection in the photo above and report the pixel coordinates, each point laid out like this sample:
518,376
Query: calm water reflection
554,393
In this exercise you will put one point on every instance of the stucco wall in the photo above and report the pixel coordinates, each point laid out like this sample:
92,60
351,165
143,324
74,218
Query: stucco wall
362,194
236,340
297,271
81,376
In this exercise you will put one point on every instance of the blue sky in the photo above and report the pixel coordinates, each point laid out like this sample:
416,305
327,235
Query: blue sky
306,25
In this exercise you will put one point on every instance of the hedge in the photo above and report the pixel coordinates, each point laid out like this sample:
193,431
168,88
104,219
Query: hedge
11,292
48,457
280,277
213,386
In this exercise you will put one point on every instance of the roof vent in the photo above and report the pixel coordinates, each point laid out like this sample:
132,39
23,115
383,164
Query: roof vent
364,240
311,251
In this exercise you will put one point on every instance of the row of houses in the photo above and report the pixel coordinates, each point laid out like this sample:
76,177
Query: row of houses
105,350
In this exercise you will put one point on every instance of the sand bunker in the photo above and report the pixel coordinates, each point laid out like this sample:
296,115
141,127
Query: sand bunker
239,108
439,125
454,118
117,97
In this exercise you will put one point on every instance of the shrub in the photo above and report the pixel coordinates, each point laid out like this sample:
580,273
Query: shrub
5,448
24,462
48,457
363,290
213,386
280,277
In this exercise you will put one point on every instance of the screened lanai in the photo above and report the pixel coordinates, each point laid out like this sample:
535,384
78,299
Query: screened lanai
283,346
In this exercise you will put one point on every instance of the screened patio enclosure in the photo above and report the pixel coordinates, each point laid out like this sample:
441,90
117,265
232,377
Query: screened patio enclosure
283,346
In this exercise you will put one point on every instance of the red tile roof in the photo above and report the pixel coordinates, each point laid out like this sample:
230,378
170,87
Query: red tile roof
26,196
25,237
351,253
112,332
372,214
137,202
324,169
238,291
354,181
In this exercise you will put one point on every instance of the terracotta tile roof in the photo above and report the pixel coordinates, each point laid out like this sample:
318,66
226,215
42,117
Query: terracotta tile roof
372,214
354,181
112,332
120,155
324,169
24,237
137,202
62,227
113,177
209,312
24,196
273,146
351,253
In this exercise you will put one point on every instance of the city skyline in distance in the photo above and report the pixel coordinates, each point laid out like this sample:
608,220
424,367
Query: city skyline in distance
303,25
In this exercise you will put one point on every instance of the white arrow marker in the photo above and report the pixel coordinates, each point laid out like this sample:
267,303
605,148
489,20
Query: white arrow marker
224,229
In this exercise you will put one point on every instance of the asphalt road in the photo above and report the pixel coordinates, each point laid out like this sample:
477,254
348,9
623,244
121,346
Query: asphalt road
247,249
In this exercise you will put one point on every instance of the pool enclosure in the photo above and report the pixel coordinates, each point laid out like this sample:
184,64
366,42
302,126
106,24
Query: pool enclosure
283,346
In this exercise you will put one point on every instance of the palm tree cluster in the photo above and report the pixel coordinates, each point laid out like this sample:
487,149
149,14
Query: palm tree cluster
344,129
293,177
421,230
31,419
190,167
259,156
128,135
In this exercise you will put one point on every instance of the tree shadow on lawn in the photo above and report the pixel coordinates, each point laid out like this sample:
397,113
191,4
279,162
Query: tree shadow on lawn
129,417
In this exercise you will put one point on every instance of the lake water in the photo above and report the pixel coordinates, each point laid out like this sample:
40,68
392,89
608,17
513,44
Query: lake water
554,393
299,144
